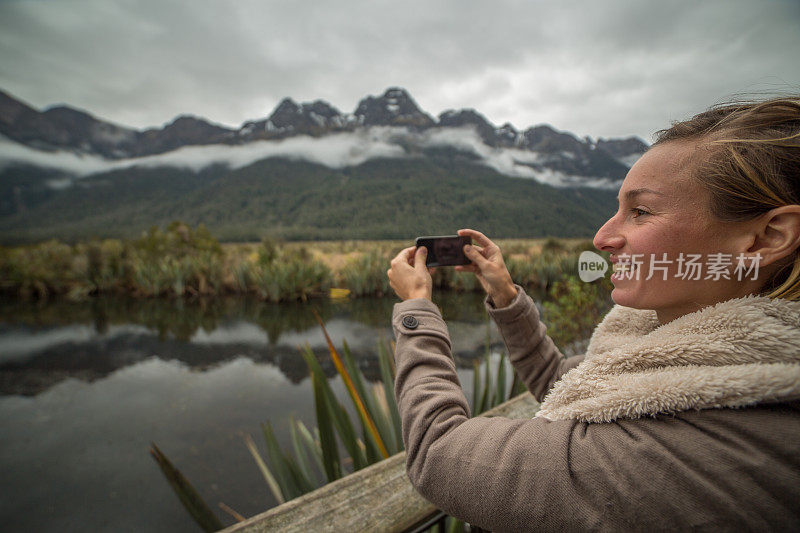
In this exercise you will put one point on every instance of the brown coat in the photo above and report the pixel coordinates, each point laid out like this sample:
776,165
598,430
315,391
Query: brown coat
700,470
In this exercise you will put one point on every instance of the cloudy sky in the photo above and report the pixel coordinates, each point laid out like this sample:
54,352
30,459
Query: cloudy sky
602,68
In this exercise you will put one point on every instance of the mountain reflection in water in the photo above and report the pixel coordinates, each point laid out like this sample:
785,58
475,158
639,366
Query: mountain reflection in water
85,388
43,344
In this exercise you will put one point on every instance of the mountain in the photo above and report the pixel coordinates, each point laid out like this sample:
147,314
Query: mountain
66,128
381,198
626,151
394,108
63,128
289,119
183,131
305,171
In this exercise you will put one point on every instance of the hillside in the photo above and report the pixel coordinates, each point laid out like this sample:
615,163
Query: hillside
307,171
380,199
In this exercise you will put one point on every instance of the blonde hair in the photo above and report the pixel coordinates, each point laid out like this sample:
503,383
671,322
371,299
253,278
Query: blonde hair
750,164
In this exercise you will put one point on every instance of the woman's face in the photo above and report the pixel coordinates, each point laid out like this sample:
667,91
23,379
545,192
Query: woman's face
662,210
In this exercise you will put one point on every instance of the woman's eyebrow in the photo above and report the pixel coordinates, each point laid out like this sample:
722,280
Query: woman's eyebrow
633,193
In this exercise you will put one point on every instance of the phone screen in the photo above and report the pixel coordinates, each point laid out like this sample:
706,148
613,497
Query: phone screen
445,250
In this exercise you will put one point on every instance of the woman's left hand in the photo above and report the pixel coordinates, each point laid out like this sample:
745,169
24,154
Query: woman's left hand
408,275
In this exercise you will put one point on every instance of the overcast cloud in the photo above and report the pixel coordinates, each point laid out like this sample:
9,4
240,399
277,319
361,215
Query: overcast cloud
335,151
605,69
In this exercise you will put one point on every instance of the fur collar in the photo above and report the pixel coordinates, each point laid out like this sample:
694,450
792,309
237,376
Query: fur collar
735,353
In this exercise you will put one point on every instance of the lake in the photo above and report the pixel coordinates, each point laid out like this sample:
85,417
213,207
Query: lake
86,387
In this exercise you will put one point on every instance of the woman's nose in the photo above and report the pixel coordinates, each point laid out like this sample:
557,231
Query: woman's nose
608,238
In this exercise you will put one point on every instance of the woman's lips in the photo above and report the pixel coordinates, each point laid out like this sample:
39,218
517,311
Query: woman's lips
623,270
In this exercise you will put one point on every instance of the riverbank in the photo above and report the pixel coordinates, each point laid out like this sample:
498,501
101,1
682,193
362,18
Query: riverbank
179,261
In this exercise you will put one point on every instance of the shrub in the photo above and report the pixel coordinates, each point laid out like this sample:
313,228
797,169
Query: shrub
573,310
366,274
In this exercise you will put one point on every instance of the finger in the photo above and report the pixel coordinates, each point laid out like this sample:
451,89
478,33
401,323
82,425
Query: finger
483,251
466,268
477,236
402,257
474,255
489,246
419,259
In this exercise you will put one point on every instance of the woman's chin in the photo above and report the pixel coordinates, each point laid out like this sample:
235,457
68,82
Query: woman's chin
623,298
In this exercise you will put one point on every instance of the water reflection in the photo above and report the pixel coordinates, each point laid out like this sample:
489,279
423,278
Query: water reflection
86,387
43,344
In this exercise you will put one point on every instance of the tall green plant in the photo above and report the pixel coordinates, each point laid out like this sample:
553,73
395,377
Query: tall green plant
365,274
574,308
280,275
315,460
188,496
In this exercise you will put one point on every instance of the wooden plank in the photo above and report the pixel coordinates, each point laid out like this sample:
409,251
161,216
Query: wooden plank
376,498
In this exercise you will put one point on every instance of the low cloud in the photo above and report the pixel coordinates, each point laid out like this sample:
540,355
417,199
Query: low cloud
68,162
333,151
19,346
509,161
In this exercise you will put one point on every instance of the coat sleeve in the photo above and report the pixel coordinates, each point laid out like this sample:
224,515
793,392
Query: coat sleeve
534,356
520,475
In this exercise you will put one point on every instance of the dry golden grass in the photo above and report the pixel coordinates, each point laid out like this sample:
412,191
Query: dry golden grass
179,261
336,254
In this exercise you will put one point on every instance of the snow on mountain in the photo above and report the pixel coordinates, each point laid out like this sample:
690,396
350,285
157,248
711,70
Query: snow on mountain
389,125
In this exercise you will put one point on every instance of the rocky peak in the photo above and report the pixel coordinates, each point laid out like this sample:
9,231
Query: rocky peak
290,118
185,130
191,127
286,114
24,124
67,128
622,147
471,118
394,108
80,124
507,135
62,127
320,114
12,109
65,113
87,133
322,109
544,138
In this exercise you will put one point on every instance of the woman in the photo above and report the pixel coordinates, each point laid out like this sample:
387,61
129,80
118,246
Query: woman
685,411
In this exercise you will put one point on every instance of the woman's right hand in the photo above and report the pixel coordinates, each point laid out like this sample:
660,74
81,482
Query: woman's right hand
489,267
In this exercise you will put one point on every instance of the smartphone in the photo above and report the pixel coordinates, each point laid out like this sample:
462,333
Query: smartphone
445,250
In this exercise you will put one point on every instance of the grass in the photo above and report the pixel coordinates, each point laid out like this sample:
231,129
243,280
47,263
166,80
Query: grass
315,458
179,261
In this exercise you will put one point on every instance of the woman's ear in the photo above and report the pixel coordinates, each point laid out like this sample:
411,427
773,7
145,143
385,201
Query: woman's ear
777,234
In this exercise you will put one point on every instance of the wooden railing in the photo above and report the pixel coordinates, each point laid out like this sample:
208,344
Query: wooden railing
376,498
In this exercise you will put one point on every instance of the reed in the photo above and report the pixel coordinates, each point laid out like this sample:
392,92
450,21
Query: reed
41,270
293,279
573,309
365,274
177,261
449,279
180,261
316,459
